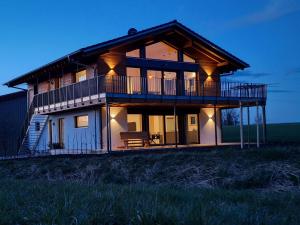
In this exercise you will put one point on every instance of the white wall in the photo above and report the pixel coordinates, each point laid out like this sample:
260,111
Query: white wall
207,126
74,138
118,124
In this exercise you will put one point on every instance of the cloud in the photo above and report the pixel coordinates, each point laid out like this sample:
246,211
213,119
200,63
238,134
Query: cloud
273,10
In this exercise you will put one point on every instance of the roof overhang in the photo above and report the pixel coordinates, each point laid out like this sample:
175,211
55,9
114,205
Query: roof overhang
193,38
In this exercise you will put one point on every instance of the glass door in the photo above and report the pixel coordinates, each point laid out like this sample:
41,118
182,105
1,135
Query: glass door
156,130
192,131
170,129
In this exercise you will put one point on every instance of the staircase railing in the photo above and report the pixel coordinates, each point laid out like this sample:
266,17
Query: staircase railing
26,123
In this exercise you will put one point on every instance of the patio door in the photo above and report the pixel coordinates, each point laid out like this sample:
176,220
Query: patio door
192,129
170,129
156,129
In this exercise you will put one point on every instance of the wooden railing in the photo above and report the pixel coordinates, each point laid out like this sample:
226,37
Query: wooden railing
149,86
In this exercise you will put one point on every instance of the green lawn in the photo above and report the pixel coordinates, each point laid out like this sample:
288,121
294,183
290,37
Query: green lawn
276,133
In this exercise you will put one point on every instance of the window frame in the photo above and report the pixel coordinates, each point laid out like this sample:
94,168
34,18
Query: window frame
76,121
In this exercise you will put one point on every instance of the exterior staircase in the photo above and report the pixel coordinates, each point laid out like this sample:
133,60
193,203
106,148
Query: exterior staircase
32,136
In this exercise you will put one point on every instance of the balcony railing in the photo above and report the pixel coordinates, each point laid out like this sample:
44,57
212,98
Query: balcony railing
93,88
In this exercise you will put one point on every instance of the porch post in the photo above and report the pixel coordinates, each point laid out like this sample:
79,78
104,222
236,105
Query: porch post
248,124
241,126
264,124
215,120
175,125
108,133
257,125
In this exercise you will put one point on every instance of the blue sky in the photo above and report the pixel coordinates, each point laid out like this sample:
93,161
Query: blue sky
264,33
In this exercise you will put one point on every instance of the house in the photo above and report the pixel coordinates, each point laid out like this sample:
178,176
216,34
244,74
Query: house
155,87
13,108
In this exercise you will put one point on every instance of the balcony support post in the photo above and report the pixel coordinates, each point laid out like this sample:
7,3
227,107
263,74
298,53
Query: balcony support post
215,122
257,125
108,130
241,126
264,124
175,126
248,125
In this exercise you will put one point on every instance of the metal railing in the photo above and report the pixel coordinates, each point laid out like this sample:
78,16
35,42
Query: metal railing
148,86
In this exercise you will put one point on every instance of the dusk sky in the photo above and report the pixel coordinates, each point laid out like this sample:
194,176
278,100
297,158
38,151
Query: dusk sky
264,33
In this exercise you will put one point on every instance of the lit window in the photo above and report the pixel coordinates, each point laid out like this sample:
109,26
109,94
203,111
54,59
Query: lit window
133,53
80,76
186,58
81,121
161,51
134,122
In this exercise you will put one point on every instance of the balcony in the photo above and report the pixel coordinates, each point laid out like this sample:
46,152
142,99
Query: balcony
97,90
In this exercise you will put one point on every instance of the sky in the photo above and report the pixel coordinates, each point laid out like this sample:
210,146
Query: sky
264,33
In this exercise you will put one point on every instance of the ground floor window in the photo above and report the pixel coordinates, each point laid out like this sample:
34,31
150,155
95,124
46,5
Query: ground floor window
81,121
134,122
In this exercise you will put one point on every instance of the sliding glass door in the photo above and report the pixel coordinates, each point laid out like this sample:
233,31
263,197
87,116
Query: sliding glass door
170,129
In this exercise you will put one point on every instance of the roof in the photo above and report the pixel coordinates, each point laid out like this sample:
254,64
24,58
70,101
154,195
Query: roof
7,97
127,38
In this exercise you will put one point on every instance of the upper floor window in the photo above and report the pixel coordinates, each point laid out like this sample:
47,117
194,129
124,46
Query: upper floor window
161,51
133,53
187,58
80,76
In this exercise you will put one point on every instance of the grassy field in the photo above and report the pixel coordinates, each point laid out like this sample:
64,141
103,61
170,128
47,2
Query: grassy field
276,133
222,186
44,202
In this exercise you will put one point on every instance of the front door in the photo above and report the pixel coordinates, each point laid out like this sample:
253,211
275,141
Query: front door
61,132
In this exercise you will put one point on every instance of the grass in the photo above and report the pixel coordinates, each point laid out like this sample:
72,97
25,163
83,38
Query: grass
221,186
276,133
43,202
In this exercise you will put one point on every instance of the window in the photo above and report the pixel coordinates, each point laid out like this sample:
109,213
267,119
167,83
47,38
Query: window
80,76
37,126
134,122
190,83
133,80
186,58
133,53
161,51
81,121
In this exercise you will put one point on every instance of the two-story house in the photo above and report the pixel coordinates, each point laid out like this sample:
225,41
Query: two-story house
160,86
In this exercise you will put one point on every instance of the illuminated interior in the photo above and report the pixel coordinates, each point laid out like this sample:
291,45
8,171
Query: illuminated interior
156,129
170,129
190,83
187,58
133,53
169,83
80,76
133,80
161,51
154,81
134,122
81,121
192,129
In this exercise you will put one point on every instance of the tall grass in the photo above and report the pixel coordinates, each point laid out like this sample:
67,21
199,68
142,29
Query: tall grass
41,202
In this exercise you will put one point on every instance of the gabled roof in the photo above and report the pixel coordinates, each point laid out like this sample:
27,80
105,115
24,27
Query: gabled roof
101,47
